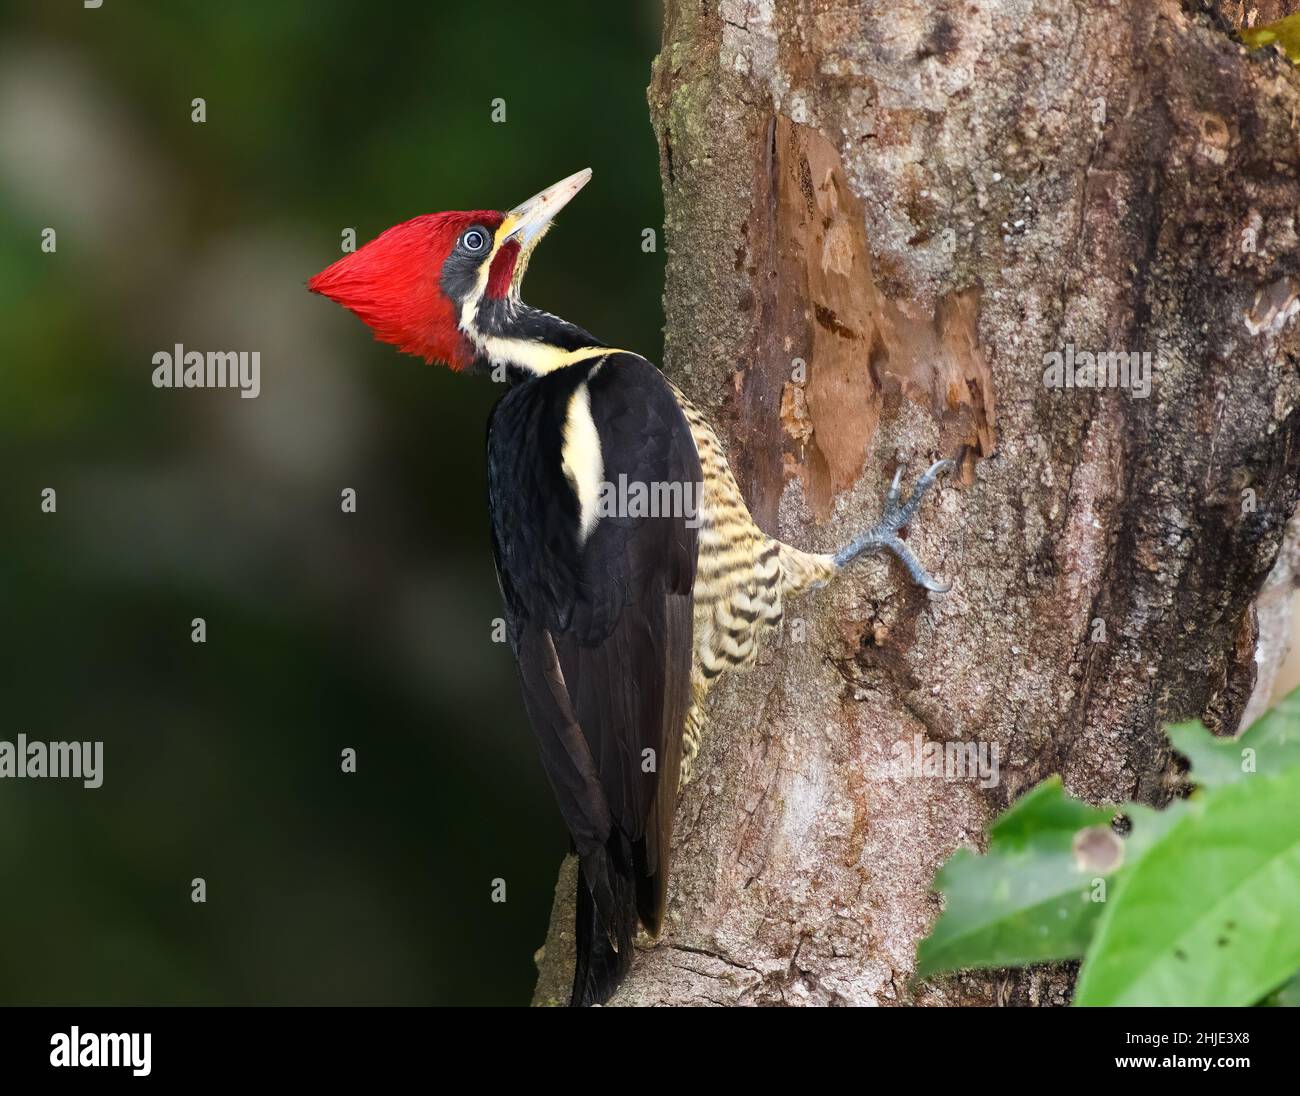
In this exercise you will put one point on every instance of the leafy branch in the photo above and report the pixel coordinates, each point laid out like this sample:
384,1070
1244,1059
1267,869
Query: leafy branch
1197,904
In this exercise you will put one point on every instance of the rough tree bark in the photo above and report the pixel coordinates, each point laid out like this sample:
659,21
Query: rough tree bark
920,200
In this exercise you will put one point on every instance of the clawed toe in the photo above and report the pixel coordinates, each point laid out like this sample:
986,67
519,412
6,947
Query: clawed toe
919,574
884,536
905,514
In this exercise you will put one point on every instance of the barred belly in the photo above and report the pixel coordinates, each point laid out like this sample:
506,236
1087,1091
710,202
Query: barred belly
741,580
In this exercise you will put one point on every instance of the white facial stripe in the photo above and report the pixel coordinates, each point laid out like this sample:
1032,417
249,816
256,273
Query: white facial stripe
583,462
470,305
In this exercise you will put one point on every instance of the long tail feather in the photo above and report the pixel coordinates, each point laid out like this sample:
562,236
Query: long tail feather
606,921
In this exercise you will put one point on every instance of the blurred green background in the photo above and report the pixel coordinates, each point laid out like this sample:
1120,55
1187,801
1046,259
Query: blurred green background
325,630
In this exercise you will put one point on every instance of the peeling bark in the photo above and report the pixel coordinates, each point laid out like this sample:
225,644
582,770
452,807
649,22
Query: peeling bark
920,201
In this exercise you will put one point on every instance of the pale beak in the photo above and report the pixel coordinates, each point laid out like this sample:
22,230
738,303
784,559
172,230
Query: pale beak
528,222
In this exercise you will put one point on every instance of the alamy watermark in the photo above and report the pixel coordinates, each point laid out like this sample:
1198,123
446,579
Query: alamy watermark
82,761
655,499
183,368
89,1049
919,759
1073,368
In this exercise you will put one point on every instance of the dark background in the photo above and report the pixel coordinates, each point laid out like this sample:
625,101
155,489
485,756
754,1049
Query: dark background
325,630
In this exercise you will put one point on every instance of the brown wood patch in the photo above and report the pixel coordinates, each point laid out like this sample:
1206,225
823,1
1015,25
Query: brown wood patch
822,305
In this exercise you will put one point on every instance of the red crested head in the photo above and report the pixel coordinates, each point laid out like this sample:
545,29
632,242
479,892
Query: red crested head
434,286
400,285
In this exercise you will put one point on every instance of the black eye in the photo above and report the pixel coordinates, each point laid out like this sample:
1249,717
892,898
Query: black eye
474,241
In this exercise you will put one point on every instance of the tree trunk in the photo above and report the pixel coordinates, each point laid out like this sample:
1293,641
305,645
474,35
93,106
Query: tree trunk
882,217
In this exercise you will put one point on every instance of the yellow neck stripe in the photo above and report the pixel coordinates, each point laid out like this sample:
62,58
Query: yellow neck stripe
538,357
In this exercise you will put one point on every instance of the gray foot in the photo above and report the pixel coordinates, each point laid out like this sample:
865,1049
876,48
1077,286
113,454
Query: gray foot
883,536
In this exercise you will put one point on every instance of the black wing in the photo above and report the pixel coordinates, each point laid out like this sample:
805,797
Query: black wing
602,630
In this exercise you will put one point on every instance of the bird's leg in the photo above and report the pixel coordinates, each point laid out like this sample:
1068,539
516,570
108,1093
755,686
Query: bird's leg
883,536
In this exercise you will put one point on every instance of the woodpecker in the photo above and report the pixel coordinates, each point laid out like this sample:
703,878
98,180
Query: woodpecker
620,622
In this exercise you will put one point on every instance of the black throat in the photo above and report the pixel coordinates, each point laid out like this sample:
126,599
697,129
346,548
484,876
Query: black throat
510,318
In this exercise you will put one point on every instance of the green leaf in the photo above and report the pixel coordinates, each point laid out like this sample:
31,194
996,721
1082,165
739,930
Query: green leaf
1285,33
1271,745
1208,915
1030,898
1045,808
